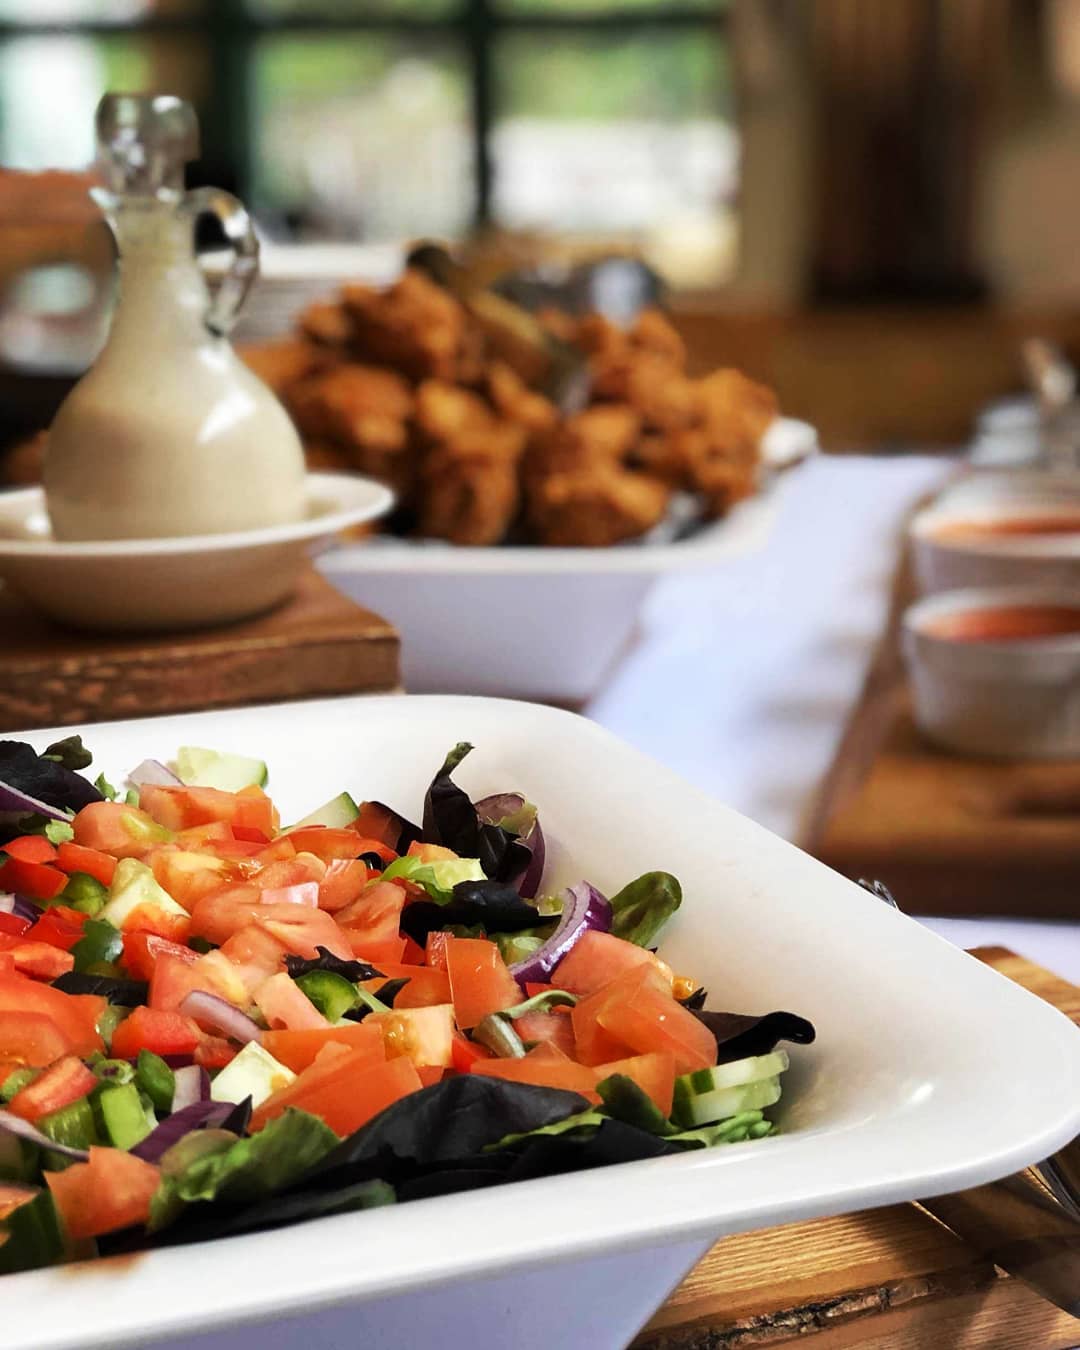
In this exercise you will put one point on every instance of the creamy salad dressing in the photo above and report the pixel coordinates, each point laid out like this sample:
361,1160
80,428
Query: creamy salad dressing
169,433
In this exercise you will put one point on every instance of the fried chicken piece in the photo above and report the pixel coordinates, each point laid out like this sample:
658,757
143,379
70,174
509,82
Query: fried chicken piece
653,332
414,326
600,436
718,474
280,364
362,410
559,324
326,322
468,492
662,394
445,412
736,411
596,506
662,455
513,398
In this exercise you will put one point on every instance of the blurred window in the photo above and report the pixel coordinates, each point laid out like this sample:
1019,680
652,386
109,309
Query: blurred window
383,119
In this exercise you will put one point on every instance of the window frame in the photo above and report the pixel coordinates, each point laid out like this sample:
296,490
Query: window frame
231,32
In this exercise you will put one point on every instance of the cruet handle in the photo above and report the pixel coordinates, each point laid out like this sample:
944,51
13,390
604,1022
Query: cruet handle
235,221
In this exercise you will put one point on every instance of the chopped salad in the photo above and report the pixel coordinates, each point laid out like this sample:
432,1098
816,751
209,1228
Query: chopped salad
210,1024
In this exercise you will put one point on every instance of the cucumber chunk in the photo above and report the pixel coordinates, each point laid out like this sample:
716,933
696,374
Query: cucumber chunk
735,1074
705,1107
199,767
335,814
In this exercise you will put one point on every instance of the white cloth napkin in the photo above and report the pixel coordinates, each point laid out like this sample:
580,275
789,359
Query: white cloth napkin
744,676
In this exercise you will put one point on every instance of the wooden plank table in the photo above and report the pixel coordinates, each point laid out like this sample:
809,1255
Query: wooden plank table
317,644
887,1279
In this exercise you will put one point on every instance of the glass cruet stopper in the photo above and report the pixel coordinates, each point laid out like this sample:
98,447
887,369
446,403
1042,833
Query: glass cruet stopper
144,142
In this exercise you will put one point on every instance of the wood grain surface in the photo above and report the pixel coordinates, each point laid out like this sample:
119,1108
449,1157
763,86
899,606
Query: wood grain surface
948,834
887,1279
317,644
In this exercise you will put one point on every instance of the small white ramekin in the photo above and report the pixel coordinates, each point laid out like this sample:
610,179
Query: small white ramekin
946,564
1016,699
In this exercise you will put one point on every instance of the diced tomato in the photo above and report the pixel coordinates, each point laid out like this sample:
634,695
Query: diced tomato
75,1015
372,922
545,1070
31,1038
142,949
653,1073
429,1074
425,1035
376,824
77,858
250,834
277,850
638,1009
593,1044
303,894
255,811
547,1027
435,949
414,953
480,982
302,931
464,1053
219,915
596,959
214,1052
173,978
120,830
39,881
531,990
425,988
61,1084
200,835
430,852
111,1191
233,850
285,1006
150,918
342,883
7,964
13,925
59,927
255,955
345,1088
39,960
31,848
298,1049
187,876
165,1033
327,844
283,875
182,808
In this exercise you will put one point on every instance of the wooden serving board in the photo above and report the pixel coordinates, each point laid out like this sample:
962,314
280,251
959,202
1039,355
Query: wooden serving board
948,834
317,644
887,1279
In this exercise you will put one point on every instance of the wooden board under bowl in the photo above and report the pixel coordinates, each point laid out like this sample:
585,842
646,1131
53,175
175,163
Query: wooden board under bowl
948,834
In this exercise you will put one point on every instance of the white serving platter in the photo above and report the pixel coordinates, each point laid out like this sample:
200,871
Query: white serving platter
542,623
930,1073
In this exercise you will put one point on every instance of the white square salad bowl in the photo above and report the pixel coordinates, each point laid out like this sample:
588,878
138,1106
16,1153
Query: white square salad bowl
930,1072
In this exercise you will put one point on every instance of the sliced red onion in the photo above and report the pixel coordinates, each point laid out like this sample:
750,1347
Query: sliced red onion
502,806
24,908
216,1015
192,1084
198,1116
22,804
22,1129
583,908
153,772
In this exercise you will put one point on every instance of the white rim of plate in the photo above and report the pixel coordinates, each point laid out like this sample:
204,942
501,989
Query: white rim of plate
337,500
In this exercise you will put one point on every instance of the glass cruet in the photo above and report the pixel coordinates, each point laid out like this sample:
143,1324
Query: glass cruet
169,433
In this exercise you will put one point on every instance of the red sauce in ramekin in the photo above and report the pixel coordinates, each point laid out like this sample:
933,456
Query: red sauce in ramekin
1063,523
1006,623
